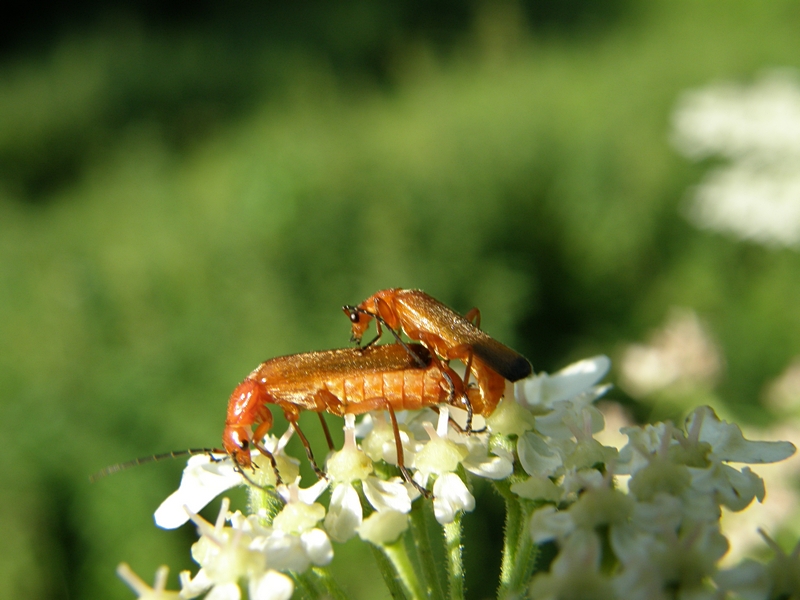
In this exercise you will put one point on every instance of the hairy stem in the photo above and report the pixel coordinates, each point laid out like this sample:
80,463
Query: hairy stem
454,552
398,573
424,552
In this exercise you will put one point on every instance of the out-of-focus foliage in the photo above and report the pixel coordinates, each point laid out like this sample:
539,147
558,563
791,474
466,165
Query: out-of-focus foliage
183,197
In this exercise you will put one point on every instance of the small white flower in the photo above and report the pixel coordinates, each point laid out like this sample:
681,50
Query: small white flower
317,546
283,551
510,418
440,457
206,477
679,561
779,578
296,540
754,195
298,517
248,550
225,555
495,466
543,391
680,355
144,591
351,464
567,417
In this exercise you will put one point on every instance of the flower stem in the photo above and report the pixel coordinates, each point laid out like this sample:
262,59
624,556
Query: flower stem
305,586
454,551
519,551
397,570
510,537
424,551
324,578
526,559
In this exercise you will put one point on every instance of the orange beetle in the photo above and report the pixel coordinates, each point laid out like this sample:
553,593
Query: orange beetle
450,335
346,381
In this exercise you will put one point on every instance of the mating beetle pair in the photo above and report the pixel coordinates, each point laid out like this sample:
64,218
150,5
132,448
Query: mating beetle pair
390,377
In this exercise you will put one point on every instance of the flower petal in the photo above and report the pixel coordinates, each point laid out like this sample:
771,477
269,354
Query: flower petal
544,389
317,546
225,591
344,513
547,524
383,527
449,496
729,444
284,552
203,480
271,586
386,495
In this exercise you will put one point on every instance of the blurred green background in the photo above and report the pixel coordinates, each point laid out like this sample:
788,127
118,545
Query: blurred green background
187,189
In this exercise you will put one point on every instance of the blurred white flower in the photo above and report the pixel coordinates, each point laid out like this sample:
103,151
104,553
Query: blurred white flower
780,503
681,353
779,578
575,572
541,392
144,591
757,128
228,554
560,440
654,566
783,393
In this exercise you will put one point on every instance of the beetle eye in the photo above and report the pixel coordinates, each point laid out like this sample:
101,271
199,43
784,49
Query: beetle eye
245,444
354,317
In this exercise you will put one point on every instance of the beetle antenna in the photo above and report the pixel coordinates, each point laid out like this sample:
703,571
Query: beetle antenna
123,466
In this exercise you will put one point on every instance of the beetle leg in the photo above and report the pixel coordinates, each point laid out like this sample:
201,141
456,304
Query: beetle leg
307,446
327,431
400,456
474,317
268,490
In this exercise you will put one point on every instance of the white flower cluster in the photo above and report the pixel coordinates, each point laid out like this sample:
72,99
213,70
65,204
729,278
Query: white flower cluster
663,535
756,195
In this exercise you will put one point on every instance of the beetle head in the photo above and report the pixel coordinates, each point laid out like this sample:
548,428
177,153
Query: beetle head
359,321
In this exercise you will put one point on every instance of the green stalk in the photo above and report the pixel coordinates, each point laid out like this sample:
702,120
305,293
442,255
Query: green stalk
519,551
328,583
526,559
397,571
424,551
513,527
455,565
305,586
